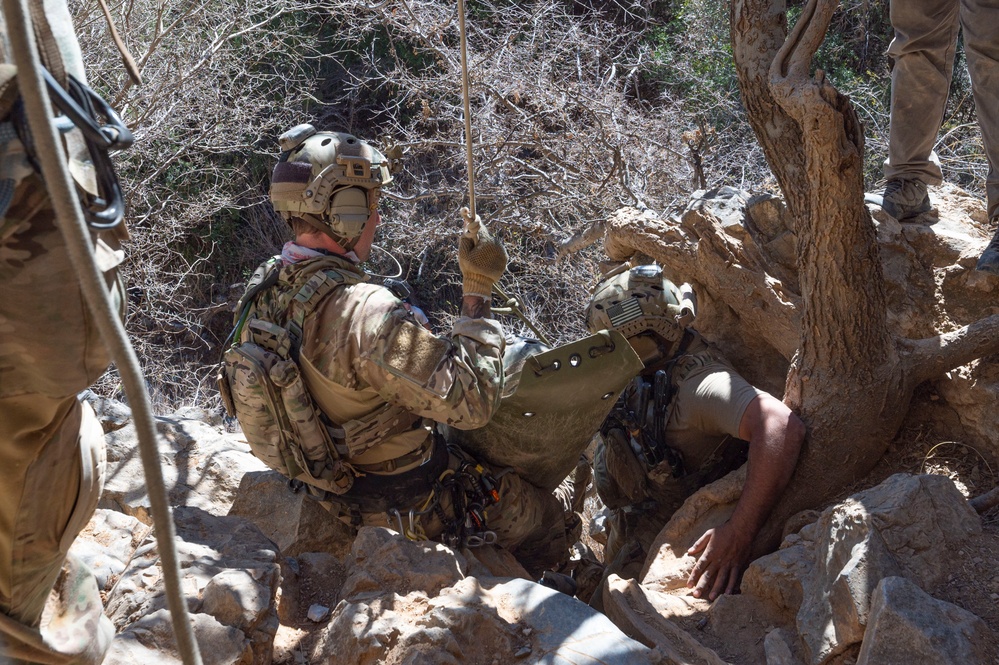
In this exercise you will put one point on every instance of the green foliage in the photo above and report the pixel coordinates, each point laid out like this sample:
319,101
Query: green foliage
691,60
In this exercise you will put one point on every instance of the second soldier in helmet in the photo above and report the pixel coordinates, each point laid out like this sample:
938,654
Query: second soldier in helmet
686,421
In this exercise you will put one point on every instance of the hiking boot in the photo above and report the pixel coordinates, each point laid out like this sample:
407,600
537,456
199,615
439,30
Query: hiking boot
905,199
558,581
989,261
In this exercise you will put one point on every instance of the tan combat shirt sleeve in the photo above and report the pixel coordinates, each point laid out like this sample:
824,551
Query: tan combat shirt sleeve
376,344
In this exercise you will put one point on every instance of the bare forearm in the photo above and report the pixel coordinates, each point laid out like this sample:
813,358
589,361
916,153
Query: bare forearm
774,445
475,307
775,435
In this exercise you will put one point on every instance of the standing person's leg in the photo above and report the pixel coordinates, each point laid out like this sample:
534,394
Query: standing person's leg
51,469
923,54
51,445
980,24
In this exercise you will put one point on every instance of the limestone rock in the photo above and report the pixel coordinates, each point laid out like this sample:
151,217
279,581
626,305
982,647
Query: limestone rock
777,648
635,610
382,561
778,577
295,521
202,466
825,574
668,565
909,626
151,640
318,613
228,570
493,561
236,597
407,601
106,544
469,623
112,414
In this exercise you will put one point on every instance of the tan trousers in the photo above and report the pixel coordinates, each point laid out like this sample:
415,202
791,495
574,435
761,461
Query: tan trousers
923,51
51,445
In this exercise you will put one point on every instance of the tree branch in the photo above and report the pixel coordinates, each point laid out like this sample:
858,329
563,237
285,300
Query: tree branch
794,59
929,358
706,257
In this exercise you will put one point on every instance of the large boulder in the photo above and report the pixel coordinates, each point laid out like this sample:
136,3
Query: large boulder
295,521
812,601
471,623
412,602
150,639
825,574
381,561
907,626
202,466
229,572
106,544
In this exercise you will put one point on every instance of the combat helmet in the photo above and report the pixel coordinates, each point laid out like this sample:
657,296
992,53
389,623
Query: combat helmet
645,307
331,180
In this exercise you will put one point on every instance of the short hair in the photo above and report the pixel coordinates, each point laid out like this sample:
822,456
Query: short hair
301,227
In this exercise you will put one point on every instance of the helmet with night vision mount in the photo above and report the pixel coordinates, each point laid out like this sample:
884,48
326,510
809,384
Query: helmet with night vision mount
639,302
331,180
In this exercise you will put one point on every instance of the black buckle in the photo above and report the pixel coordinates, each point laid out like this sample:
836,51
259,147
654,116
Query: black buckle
86,109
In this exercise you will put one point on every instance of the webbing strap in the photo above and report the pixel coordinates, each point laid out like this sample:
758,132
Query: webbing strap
307,299
48,47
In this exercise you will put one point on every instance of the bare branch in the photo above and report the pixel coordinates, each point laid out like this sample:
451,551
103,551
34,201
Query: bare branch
926,359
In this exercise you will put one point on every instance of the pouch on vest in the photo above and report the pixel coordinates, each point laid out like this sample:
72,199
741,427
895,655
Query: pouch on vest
279,419
262,386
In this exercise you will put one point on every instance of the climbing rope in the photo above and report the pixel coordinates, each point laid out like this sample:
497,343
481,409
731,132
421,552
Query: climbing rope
463,41
510,305
72,225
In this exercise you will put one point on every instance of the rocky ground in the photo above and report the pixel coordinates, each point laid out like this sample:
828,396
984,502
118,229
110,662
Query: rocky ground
271,579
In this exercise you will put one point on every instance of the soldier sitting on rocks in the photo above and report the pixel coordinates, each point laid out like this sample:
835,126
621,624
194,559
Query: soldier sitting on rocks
683,423
361,382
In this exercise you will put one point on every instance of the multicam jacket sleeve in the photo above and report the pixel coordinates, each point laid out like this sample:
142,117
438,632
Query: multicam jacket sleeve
372,341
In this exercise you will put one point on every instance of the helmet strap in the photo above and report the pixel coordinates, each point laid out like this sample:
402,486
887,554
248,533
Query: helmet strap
367,236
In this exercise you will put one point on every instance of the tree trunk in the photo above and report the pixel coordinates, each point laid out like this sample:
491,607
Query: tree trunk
851,379
849,382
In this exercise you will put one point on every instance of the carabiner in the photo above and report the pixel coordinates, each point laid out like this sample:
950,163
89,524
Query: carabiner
83,107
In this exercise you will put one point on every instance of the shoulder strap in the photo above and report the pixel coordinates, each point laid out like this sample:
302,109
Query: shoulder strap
48,48
308,298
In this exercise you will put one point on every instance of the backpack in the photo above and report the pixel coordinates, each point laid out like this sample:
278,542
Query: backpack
262,387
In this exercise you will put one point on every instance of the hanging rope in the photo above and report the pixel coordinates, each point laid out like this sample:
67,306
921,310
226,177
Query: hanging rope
465,101
510,305
70,220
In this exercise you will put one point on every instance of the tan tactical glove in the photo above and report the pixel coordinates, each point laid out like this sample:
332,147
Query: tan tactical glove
481,257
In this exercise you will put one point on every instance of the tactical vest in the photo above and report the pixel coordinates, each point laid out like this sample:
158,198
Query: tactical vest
636,461
262,386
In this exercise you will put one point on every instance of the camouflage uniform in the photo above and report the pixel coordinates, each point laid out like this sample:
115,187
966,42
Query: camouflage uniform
702,444
363,348
51,445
